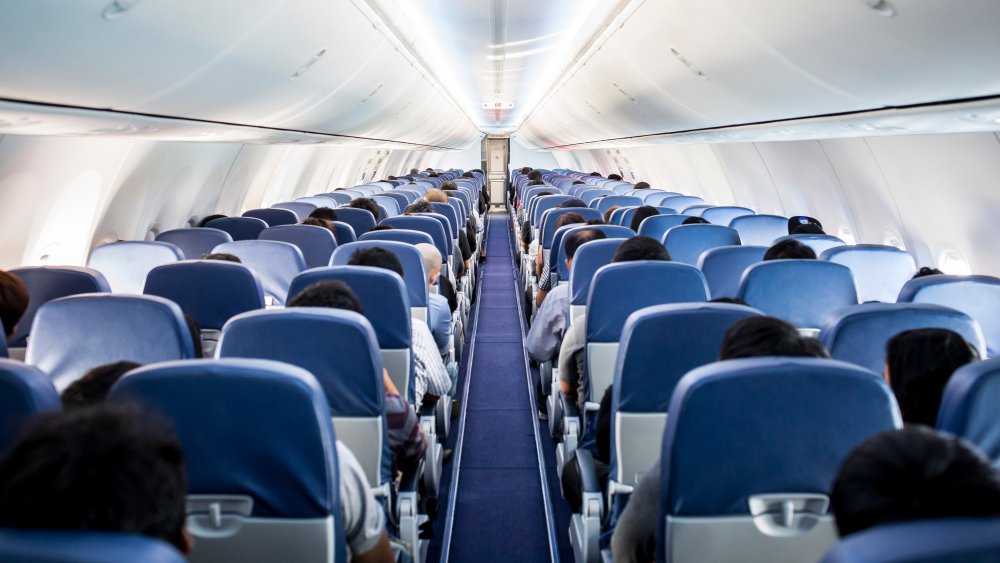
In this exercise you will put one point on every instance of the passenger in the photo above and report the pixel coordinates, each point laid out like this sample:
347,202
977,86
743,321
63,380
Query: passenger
609,212
572,202
471,224
730,300
367,204
526,170
695,221
93,387
208,218
925,271
381,227
438,311
406,440
615,177
807,229
796,221
325,213
419,206
436,196
194,330
641,186
319,222
578,182
414,171
768,336
223,256
13,301
535,175
789,249
641,214
913,474
596,174
595,221
546,332
462,251
432,380
542,266
918,365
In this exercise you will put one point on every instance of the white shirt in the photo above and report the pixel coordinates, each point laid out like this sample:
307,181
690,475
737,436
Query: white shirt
364,520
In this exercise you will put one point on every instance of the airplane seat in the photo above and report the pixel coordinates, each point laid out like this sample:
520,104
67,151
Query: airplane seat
685,243
25,392
414,274
879,270
262,470
340,197
359,219
275,263
618,215
541,204
273,216
451,215
465,198
72,335
772,503
388,206
969,540
242,228
976,296
724,214
434,225
411,195
696,210
802,292
620,189
78,546
606,203
316,243
591,195
400,198
343,232
819,243
194,242
590,256
859,334
679,202
406,236
658,225
723,267
656,197
318,201
761,230
968,406
612,232
125,264
382,210
45,283
625,219
300,208
547,222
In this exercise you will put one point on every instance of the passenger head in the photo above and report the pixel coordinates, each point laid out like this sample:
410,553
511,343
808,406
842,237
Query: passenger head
595,221
526,170
368,204
578,182
597,174
432,261
609,212
641,214
615,177
695,221
912,474
93,387
213,217
332,294
195,331
641,186
789,249
103,468
767,336
568,219
535,175
420,206
377,257
918,365
13,301
318,222
381,227
446,187
640,248
572,202
535,183
799,220
325,213
436,196
414,171
578,237
925,271
807,229
223,256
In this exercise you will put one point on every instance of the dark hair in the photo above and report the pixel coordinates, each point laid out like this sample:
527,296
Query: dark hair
925,271
204,220
796,221
767,336
570,218
107,467
614,177
578,182
324,213
573,202
223,256
195,331
93,387
333,294
526,170
598,174
367,204
609,212
912,474
641,186
695,221
580,236
730,300
318,222
535,175
920,363
640,248
641,214
536,183
381,227
525,233
13,301
789,249
807,229
420,206
377,257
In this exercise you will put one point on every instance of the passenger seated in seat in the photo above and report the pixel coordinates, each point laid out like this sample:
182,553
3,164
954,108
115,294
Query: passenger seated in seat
695,221
542,265
381,228
913,474
797,221
13,301
93,387
918,365
641,186
461,251
224,256
789,249
324,213
406,440
435,196
614,177
431,381
367,204
438,312
925,271
609,212
208,218
641,214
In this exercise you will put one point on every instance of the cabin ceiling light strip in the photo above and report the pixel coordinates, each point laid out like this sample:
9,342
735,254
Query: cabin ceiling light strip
115,9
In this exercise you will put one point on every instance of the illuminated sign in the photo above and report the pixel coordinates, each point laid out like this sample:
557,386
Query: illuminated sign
498,105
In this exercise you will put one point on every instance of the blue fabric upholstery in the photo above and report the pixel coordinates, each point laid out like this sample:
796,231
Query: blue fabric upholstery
544,203
969,406
819,243
240,228
625,219
657,225
70,546
696,210
248,427
359,219
802,292
976,296
879,271
210,291
449,213
618,216
589,257
617,290
591,195
195,242
343,232
273,216
547,224
46,283
658,197
859,334
606,203
74,334
319,201
685,243
316,243
400,198
389,204
953,540
24,392
301,209
723,267
275,263
425,223
724,214
340,197
383,294
125,264
414,274
680,202
760,229
3,348
406,236
610,231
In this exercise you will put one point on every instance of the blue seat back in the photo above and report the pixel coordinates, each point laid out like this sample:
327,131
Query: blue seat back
685,243
625,219
591,195
819,243
399,197
880,271
969,540
343,232
618,216
976,296
450,214
723,267
275,263
195,242
72,546
658,225
414,274
658,197
760,230
319,201
359,219
25,392
301,209
605,203
405,236
547,225
240,228
72,335
802,292
340,197
724,214
610,231
125,264
273,217
425,223
316,243
46,283
542,204
679,202
696,210
210,291
969,406
389,205
588,259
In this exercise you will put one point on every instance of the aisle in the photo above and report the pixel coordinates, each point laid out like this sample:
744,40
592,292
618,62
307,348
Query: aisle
500,511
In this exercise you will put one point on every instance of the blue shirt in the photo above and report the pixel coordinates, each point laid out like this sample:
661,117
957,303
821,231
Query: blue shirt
549,325
439,319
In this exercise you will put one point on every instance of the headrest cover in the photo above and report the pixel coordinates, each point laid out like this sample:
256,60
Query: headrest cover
685,243
195,242
125,264
210,291
272,216
414,274
802,292
589,257
242,228
316,243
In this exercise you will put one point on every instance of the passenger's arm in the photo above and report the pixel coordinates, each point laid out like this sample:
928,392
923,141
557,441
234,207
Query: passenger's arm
381,553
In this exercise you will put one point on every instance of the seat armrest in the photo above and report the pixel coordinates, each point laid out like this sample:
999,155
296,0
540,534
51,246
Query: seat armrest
592,505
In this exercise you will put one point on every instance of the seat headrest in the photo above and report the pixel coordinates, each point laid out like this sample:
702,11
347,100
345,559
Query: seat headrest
359,219
547,227
968,406
316,243
976,296
723,267
195,242
657,225
879,270
969,540
685,243
210,291
589,257
406,236
46,283
301,209
425,223
606,203
819,243
125,264
802,292
242,228
24,392
414,274
760,229
274,262
723,215
273,217
72,546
